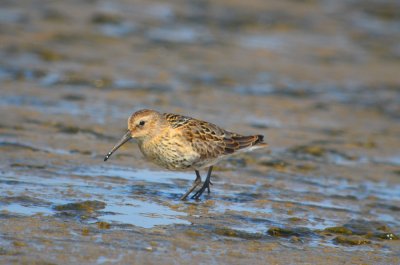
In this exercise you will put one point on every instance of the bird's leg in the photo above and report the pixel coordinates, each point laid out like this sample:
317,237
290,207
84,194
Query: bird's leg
196,183
208,187
208,180
205,186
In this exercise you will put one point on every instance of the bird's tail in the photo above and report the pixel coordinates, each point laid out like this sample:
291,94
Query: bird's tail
244,143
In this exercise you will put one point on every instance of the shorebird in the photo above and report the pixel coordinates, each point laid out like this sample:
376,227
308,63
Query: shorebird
177,142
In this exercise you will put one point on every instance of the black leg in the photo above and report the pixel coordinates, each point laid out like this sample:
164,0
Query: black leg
196,182
205,186
209,179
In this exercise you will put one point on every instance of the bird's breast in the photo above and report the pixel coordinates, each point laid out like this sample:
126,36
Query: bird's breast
171,152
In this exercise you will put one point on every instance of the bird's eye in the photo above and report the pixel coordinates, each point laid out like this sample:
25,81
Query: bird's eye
141,123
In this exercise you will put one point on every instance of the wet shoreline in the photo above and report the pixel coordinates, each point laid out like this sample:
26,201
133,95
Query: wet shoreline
318,79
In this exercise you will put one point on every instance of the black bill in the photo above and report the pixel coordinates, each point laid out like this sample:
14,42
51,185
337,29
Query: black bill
123,140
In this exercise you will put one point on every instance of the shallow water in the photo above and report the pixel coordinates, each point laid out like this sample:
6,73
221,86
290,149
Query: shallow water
318,78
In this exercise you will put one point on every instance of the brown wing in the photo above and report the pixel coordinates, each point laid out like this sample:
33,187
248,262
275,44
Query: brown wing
206,138
210,141
235,142
176,120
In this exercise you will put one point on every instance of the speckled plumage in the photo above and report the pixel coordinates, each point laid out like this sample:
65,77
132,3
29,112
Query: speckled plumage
178,142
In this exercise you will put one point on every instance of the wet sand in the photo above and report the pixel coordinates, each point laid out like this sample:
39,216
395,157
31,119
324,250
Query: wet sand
320,79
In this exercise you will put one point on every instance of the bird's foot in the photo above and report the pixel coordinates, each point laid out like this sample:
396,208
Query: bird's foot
195,184
205,186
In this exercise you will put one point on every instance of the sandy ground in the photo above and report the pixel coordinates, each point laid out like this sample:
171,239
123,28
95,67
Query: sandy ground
320,79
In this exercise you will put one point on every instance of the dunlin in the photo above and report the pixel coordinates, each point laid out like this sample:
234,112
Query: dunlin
178,142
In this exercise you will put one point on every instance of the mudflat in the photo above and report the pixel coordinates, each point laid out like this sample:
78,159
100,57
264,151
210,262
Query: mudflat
319,79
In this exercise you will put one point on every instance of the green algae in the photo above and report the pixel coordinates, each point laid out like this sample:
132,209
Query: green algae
30,166
339,230
288,232
84,206
351,240
313,150
277,164
106,18
19,244
85,231
74,97
363,230
386,236
229,232
49,55
103,225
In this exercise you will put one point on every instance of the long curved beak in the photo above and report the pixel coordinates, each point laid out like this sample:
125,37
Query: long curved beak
127,136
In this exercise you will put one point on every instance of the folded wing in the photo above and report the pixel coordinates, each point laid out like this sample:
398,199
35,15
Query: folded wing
210,141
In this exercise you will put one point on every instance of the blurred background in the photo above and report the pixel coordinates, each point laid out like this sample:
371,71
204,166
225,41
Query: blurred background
320,79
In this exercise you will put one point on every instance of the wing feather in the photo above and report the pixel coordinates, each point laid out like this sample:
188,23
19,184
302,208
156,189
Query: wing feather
176,120
209,140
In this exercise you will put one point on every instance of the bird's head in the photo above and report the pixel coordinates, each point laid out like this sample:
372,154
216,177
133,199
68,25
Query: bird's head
142,125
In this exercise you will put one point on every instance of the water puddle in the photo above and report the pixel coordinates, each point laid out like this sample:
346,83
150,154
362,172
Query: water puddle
25,210
130,174
143,214
62,189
